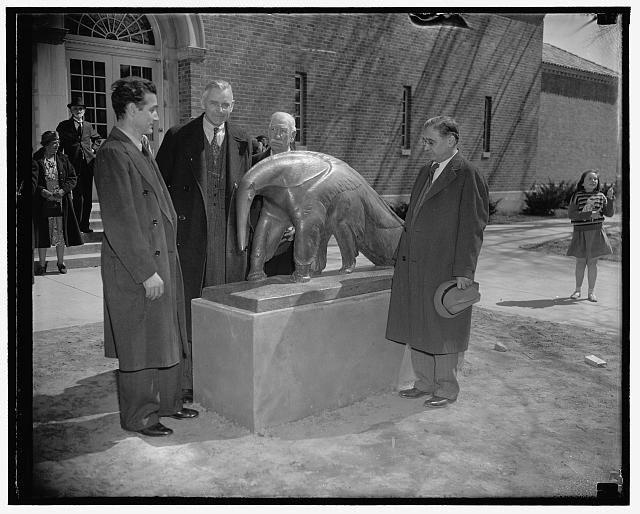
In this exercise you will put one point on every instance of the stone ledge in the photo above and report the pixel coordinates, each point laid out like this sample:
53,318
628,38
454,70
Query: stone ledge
279,292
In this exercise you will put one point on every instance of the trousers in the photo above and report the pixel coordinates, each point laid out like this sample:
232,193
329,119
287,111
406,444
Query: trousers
83,194
433,373
147,394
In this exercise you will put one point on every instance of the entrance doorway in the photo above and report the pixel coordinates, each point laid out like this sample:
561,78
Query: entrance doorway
90,76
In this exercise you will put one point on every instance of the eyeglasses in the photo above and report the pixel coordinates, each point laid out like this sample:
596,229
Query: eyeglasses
279,131
220,106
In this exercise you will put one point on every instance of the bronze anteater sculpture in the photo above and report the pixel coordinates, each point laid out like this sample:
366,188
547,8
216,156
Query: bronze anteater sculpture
319,195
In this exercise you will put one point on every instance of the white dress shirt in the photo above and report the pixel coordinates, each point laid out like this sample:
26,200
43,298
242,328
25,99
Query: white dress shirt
208,131
442,166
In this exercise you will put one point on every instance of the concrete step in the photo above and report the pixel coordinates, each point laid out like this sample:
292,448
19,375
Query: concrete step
95,211
89,248
81,260
93,237
95,224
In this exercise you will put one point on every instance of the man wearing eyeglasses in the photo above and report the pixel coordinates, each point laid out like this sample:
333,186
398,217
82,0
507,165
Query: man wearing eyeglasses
282,136
202,162
447,214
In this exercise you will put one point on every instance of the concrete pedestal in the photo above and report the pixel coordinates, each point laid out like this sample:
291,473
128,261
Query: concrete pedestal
276,351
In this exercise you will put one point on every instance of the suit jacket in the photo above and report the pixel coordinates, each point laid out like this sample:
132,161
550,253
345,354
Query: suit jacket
182,162
67,180
76,146
139,240
441,240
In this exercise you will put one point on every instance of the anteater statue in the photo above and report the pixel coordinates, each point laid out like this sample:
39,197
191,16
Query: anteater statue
319,195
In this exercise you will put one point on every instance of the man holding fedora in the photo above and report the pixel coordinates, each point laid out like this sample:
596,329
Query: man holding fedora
438,252
77,139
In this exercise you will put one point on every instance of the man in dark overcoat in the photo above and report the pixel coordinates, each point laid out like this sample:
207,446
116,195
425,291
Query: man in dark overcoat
78,138
447,214
202,162
144,315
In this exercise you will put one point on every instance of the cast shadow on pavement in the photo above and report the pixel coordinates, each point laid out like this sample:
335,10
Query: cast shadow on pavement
84,419
539,304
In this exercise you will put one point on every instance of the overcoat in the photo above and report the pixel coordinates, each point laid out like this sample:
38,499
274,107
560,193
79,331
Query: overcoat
441,240
183,165
139,240
67,180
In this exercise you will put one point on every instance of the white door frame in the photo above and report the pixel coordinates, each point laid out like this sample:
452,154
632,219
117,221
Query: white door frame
114,53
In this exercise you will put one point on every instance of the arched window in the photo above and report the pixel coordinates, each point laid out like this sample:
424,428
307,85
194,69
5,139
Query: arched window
133,28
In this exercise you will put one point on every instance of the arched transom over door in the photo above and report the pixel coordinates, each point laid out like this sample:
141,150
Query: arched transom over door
103,47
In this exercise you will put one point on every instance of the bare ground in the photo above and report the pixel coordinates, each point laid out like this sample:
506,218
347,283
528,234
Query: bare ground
533,421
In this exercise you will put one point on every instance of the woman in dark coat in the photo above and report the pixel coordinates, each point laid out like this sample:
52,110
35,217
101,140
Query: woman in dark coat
54,221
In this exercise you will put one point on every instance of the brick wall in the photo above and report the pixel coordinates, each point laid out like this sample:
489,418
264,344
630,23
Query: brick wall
184,89
357,65
575,135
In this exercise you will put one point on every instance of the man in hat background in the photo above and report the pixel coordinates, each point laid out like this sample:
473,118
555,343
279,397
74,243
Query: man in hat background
446,217
77,139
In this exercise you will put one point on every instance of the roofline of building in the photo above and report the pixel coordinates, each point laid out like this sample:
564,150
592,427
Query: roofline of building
577,73
613,74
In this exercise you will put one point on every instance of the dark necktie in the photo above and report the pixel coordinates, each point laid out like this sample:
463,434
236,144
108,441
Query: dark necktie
215,147
79,129
425,190
146,149
432,171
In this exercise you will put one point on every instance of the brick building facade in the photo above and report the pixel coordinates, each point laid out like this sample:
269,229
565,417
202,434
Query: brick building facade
356,67
360,84
579,118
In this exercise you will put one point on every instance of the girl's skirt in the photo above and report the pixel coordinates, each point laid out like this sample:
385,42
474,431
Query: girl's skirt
589,242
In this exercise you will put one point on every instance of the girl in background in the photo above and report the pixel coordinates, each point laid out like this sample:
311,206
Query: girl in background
587,208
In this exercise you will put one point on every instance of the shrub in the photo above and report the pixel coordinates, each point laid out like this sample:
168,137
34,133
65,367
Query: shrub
544,199
571,188
493,206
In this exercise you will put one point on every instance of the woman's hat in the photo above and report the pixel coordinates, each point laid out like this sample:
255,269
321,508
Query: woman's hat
450,301
48,137
76,101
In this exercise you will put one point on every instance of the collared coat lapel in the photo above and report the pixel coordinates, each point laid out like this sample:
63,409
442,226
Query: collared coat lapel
150,172
447,176
233,160
193,140
418,186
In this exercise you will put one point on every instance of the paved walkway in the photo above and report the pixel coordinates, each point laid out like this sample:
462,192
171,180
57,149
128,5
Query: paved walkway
512,281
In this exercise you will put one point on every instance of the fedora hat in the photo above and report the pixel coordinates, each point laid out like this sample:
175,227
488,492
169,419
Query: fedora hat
450,301
76,101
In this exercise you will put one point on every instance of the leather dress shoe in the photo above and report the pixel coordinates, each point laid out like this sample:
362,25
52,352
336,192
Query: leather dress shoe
412,393
157,430
437,401
62,268
187,395
40,269
185,413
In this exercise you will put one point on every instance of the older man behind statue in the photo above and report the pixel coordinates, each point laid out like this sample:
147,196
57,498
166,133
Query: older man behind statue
282,136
